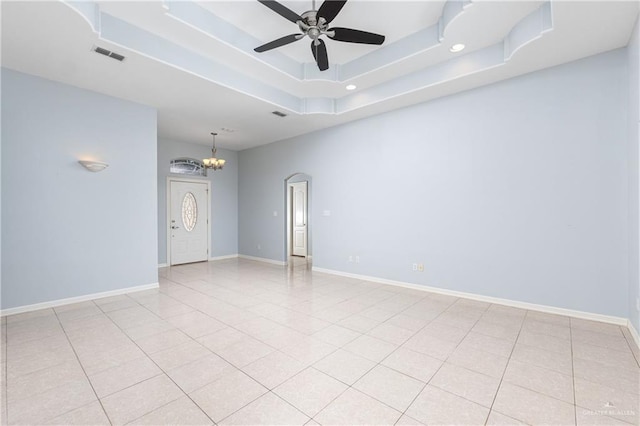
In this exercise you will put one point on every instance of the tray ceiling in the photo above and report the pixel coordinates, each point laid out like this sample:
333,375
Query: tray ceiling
194,61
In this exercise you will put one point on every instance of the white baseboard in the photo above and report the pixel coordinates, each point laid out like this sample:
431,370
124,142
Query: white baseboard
634,333
162,265
262,259
228,256
489,299
70,300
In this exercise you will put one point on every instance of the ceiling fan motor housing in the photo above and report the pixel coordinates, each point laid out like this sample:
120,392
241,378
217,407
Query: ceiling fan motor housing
315,23
311,25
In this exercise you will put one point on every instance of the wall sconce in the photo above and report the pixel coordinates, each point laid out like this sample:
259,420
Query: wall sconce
93,166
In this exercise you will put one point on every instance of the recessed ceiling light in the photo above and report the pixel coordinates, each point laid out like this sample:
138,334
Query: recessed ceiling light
351,87
457,47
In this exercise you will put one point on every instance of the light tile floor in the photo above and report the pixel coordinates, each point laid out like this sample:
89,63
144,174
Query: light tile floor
242,342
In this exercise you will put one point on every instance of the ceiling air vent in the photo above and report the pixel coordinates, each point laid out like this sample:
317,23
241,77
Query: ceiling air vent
279,114
109,53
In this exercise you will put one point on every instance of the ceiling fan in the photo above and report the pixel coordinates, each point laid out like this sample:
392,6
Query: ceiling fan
315,23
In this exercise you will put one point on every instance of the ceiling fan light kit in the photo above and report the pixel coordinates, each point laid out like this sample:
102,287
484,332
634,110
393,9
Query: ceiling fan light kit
314,24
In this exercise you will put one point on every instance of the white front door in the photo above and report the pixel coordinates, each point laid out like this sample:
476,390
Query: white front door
189,213
299,216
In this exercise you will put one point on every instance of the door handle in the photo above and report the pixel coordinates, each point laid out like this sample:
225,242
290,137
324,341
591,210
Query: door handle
175,227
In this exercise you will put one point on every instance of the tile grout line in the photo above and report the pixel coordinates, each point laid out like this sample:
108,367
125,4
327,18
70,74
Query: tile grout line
404,413
266,318
81,366
327,404
543,368
226,324
361,334
355,296
309,297
444,361
631,343
276,350
29,341
384,358
592,382
163,372
436,372
375,365
553,371
269,391
216,319
473,371
573,376
289,309
106,315
309,366
515,342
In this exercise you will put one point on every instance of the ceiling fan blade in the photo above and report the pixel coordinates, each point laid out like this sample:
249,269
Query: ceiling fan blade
330,9
279,42
320,54
355,36
281,10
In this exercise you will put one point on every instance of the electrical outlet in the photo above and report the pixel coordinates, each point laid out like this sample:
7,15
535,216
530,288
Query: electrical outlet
259,247
420,267
638,304
357,259
414,266
350,258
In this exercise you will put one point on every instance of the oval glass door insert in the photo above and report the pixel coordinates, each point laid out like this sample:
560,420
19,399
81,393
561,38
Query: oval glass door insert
189,212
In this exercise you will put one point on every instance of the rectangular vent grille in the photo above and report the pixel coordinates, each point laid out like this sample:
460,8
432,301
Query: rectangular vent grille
109,53
279,114
116,56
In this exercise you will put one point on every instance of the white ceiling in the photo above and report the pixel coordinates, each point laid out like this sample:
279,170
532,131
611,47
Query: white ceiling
194,61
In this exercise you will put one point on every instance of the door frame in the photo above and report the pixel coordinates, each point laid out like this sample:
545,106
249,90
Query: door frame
168,212
288,218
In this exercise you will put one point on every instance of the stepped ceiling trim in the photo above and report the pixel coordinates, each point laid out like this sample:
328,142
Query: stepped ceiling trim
131,37
201,79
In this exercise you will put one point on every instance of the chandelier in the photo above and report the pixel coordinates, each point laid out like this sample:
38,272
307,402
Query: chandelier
213,162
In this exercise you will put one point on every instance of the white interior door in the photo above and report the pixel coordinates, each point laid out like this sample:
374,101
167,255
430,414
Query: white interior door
299,219
189,213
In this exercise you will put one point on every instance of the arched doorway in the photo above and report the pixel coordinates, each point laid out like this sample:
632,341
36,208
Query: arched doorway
298,225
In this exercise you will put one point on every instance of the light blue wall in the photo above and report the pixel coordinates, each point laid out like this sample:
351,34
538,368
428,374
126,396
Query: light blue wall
224,196
633,55
516,190
68,232
0,189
